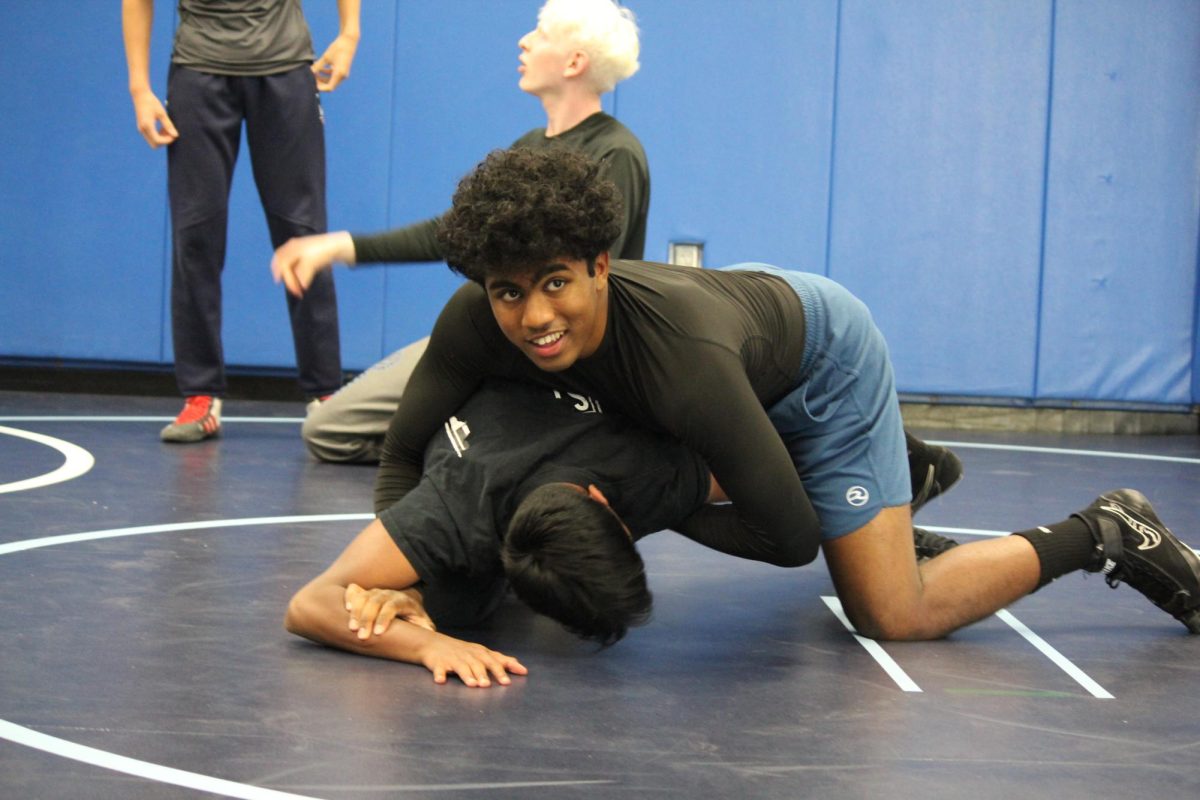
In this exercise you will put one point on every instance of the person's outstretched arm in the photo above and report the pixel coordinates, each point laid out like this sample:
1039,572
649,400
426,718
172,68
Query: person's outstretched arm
298,261
387,620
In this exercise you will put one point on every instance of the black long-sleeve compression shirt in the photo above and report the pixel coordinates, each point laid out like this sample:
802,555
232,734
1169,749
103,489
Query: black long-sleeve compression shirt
699,354
600,137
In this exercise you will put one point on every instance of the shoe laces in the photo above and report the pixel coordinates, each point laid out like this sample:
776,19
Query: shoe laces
195,409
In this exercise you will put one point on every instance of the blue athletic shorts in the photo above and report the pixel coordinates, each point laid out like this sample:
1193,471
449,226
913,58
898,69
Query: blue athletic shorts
842,422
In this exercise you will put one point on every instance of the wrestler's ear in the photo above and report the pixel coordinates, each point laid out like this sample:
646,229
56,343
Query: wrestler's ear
596,494
600,269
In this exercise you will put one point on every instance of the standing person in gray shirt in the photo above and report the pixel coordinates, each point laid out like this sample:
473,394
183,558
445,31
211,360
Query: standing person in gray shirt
235,62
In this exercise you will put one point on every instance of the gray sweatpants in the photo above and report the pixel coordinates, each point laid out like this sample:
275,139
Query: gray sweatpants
350,425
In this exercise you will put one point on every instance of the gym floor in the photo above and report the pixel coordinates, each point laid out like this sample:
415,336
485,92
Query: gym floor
142,653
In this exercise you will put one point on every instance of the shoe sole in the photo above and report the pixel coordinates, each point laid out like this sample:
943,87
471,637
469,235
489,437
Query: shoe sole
189,436
1191,621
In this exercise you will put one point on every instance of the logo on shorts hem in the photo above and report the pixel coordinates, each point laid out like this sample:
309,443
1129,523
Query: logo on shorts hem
857,496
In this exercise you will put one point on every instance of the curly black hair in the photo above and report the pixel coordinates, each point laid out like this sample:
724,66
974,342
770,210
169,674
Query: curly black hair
522,208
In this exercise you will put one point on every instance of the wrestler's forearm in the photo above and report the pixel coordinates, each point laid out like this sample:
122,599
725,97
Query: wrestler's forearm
318,613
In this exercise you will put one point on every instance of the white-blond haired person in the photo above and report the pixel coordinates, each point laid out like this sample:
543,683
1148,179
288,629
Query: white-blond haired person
579,50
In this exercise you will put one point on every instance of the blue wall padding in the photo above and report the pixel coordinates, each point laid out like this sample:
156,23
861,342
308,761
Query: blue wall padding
1013,186
1118,300
83,222
734,105
938,169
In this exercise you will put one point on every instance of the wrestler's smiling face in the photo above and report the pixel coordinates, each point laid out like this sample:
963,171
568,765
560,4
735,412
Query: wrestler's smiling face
556,313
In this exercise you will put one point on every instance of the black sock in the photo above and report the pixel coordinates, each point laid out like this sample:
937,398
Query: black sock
1061,548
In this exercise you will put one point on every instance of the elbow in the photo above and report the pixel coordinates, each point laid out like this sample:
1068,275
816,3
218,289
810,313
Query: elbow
294,616
796,554
791,550
808,553
802,547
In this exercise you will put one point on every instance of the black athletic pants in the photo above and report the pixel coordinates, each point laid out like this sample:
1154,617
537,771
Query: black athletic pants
286,136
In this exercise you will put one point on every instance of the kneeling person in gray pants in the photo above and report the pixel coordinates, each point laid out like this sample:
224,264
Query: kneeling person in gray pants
350,426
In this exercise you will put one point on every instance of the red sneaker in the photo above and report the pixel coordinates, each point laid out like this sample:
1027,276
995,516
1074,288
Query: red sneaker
199,420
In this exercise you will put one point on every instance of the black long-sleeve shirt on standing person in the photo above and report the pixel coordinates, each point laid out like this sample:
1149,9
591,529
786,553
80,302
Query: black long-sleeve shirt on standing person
600,137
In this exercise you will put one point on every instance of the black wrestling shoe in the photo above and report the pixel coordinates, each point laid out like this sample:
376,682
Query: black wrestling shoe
929,544
1132,545
933,469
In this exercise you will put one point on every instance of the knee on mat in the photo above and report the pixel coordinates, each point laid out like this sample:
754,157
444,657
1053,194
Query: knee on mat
326,437
888,624
317,439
